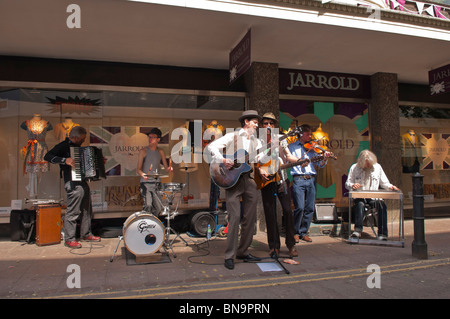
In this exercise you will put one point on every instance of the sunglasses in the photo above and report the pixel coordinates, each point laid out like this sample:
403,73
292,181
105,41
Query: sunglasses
267,123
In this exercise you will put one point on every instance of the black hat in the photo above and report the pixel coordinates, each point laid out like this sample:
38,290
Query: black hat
250,114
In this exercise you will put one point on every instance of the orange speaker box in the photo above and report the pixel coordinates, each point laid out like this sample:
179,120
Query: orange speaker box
48,225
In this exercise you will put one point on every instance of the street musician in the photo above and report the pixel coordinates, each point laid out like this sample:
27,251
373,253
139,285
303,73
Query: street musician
367,174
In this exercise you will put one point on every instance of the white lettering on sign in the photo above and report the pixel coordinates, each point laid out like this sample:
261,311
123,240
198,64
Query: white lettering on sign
308,80
441,75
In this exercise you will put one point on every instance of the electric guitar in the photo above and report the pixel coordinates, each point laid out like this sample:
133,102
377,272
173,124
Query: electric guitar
227,178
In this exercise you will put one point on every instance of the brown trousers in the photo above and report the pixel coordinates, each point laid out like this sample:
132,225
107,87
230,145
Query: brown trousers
245,188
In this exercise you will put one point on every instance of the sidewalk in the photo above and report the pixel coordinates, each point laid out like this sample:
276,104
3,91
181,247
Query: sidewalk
30,271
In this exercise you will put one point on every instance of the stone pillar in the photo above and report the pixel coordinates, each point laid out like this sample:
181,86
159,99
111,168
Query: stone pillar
261,81
384,123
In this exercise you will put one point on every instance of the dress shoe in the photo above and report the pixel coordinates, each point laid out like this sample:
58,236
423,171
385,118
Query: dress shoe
229,263
297,238
248,258
306,238
293,252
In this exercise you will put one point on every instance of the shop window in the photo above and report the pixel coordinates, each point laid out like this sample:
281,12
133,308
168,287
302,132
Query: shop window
117,122
425,139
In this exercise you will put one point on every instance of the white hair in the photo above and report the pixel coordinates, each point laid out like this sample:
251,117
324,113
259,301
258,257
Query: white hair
364,156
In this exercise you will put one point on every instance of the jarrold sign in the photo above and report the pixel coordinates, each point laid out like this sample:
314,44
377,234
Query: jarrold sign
439,80
324,83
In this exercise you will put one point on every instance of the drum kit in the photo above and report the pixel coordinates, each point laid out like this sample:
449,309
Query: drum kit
143,233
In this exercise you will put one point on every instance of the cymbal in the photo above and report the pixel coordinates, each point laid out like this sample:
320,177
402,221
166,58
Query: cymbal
156,175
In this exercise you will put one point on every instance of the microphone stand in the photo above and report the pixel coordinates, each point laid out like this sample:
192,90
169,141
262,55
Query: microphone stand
274,255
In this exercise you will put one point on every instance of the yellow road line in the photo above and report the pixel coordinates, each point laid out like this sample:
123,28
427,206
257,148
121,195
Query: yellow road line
253,283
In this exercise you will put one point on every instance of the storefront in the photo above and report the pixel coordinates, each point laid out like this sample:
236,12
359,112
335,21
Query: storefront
124,104
339,107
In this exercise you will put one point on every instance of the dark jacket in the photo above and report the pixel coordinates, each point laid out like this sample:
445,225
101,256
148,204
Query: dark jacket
58,155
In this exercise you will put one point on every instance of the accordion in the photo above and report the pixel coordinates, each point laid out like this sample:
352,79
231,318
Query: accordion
89,163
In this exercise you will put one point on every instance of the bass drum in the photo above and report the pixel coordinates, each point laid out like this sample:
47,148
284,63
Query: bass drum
143,234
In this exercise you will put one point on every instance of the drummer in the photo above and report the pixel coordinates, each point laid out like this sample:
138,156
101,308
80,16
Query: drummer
149,160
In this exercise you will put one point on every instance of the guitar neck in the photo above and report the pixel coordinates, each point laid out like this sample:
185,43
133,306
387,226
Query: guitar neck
248,156
270,144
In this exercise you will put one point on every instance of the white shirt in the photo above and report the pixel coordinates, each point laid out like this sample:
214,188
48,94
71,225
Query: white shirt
243,142
275,157
376,178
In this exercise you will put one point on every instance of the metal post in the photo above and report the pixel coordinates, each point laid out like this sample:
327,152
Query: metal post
419,246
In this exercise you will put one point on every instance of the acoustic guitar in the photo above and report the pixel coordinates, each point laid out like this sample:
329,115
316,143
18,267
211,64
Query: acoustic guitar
227,178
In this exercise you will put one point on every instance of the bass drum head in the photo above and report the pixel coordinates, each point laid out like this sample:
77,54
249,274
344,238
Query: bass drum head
143,234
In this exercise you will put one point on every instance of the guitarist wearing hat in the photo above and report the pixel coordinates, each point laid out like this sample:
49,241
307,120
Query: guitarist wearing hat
273,185
239,185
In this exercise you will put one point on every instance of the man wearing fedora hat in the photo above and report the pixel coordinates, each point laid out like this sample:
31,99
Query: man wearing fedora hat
243,138
273,185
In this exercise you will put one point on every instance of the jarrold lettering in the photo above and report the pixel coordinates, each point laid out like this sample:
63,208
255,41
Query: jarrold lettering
309,80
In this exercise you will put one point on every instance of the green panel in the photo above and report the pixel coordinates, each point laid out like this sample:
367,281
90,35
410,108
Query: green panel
285,121
324,110
362,122
323,192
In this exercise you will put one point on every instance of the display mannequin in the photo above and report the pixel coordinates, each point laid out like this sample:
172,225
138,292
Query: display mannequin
411,152
63,129
36,148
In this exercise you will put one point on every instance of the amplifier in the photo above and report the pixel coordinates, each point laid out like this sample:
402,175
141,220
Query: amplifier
48,225
326,212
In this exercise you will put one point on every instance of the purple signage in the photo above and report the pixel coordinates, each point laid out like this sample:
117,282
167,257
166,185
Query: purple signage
324,83
240,58
439,80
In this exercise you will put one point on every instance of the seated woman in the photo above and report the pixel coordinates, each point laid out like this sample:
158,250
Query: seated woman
367,174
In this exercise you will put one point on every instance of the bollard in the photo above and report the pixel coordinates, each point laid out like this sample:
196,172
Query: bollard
419,246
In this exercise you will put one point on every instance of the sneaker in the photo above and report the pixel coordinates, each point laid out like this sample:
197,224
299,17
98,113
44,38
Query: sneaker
356,234
382,237
91,238
72,244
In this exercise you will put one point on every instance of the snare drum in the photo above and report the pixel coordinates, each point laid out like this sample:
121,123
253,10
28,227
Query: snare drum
171,187
143,234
